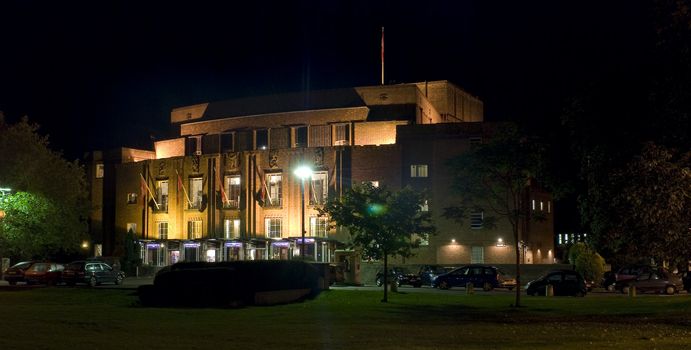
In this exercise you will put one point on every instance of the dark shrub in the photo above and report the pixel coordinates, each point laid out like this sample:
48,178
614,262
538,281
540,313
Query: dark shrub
226,284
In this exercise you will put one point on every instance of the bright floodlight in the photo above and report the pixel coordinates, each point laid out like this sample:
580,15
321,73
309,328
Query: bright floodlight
303,172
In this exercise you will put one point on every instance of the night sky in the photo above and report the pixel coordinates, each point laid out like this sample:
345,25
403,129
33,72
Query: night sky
104,74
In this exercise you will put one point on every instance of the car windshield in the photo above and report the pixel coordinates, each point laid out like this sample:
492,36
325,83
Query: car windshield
22,265
402,270
39,267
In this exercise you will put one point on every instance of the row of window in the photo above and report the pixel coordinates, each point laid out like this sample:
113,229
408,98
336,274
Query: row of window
318,227
262,139
542,207
271,190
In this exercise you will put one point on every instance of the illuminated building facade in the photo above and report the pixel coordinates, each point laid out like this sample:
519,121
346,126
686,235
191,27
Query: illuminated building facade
224,189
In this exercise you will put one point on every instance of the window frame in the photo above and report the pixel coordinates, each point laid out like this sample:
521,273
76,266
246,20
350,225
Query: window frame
311,191
229,187
419,170
196,197
270,224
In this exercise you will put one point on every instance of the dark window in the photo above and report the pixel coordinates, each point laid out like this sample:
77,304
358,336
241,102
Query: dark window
228,142
300,137
262,139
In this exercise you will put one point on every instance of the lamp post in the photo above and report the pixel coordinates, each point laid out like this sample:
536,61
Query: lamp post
303,172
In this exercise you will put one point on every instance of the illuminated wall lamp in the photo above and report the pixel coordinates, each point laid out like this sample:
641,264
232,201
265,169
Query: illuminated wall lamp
500,243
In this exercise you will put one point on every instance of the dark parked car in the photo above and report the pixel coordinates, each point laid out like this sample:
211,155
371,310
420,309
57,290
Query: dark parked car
608,280
485,276
44,273
92,273
428,273
686,279
400,276
659,281
564,282
15,273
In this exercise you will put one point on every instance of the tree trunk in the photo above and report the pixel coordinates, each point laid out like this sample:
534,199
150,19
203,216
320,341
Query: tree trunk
518,265
386,279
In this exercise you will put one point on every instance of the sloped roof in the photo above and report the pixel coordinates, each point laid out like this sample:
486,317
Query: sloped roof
288,102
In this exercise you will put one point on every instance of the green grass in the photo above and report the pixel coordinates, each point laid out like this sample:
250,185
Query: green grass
81,318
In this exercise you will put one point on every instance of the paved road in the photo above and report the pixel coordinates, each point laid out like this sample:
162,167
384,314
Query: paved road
134,282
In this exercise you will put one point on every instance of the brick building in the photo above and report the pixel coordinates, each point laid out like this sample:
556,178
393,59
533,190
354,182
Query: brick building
224,189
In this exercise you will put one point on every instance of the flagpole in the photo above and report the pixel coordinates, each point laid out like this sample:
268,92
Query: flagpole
382,55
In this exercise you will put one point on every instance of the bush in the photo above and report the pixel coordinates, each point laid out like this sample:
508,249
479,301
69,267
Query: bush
226,284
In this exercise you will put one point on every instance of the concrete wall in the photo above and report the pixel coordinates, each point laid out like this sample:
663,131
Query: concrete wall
315,117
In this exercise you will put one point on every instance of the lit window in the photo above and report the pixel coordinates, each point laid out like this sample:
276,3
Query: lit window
477,255
232,191
424,206
318,226
162,195
162,227
273,227
231,228
318,190
423,239
418,170
476,220
374,184
194,229
131,228
196,193
549,206
274,184
542,206
131,198
99,170
341,134
533,204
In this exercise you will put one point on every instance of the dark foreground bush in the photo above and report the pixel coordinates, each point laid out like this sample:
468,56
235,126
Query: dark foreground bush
226,284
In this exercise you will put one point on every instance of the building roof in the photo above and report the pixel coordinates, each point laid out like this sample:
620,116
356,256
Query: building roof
288,102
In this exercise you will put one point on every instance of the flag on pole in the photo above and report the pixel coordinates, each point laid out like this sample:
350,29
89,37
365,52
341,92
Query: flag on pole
143,182
221,186
262,194
181,187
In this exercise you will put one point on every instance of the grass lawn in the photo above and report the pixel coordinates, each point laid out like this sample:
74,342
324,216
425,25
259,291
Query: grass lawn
83,318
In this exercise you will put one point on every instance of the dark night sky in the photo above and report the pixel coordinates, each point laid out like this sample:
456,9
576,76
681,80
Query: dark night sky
102,74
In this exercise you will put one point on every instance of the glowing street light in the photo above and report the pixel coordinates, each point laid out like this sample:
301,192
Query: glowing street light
303,172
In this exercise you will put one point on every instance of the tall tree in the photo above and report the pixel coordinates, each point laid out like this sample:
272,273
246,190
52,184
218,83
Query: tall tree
381,222
47,209
617,115
654,205
493,177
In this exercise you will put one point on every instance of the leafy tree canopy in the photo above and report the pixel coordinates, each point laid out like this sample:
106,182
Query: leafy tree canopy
493,178
47,209
381,222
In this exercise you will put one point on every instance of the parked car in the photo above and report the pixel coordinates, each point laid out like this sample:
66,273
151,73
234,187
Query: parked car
92,273
686,279
400,276
485,276
608,280
428,273
659,281
44,273
15,273
630,272
564,282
